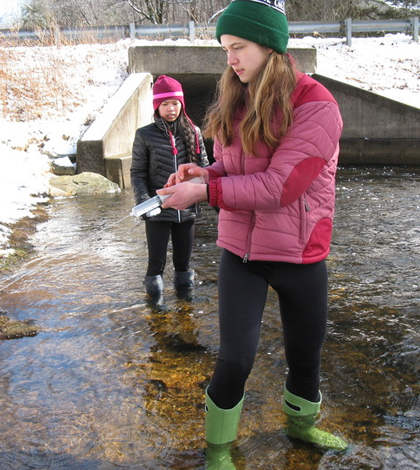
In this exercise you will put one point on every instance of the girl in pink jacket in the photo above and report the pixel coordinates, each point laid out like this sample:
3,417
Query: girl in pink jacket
276,142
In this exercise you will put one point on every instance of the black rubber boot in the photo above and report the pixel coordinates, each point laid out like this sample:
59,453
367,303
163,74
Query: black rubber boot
184,283
154,288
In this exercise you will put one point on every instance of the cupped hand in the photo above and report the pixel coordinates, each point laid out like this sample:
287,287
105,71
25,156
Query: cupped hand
187,172
183,195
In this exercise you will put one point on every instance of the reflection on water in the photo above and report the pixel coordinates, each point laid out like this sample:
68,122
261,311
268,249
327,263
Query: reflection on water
112,383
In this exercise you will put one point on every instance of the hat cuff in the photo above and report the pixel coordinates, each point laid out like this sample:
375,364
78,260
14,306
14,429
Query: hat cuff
168,94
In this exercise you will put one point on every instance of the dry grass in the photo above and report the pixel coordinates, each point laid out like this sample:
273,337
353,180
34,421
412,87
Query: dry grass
49,78
25,84
52,37
29,85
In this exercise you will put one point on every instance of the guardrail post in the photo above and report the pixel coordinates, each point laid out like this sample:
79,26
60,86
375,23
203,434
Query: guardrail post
192,31
415,28
132,31
347,26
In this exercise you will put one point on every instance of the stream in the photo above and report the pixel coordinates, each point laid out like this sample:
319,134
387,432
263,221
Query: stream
113,382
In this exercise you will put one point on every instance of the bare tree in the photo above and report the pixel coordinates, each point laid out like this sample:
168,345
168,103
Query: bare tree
200,11
320,10
153,11
36,14
76,13
164,11
406,4
81,13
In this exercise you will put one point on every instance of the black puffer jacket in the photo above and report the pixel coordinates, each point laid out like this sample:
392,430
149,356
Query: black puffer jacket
153,162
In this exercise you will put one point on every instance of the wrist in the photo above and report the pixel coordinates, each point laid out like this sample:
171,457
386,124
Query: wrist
203,192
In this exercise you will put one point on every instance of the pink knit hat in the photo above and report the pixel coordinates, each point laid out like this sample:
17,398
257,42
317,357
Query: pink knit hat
167,88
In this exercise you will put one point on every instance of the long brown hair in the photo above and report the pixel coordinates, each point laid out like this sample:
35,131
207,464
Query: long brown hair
260,100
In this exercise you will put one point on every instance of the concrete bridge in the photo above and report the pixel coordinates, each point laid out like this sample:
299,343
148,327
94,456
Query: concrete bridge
377,130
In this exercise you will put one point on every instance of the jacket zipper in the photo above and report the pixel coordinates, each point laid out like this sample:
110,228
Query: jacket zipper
246,256
251,229
175,154
303,222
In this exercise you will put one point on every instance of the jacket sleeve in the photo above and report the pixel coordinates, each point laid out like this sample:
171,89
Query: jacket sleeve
309,145
217,169
140,168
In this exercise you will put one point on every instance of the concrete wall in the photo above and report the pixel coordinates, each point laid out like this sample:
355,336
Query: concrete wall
105,148
377,130
197,60
198,69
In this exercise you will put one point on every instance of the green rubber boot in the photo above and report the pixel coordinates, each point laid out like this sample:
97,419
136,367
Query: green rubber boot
221,430
301,416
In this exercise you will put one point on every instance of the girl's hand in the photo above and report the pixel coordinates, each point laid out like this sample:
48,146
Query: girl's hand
183,195
171,181
186,172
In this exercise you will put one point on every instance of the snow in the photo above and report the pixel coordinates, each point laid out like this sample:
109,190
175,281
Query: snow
73,83
389,65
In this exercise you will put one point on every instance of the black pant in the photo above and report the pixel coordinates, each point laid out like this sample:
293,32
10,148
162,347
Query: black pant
302,291
157,234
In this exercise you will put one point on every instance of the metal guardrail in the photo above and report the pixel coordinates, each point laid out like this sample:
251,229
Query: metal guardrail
70,34
387,26
346,28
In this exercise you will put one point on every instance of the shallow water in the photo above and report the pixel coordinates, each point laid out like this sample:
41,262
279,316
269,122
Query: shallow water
112,382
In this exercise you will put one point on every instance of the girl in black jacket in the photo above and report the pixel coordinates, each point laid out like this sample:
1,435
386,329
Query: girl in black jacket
158,149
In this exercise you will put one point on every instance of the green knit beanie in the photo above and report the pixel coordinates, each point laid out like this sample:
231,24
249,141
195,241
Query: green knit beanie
260,21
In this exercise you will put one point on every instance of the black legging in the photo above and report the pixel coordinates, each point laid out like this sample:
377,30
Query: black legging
302,291
157,234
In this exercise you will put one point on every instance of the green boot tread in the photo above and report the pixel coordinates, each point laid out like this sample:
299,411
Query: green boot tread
301,417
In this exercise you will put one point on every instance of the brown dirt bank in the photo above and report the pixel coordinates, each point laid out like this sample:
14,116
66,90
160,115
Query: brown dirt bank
20,242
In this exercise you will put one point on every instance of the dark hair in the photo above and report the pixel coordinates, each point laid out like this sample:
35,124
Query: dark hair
188,134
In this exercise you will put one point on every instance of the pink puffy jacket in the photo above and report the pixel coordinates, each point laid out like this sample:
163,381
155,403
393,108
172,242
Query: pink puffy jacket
279,206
